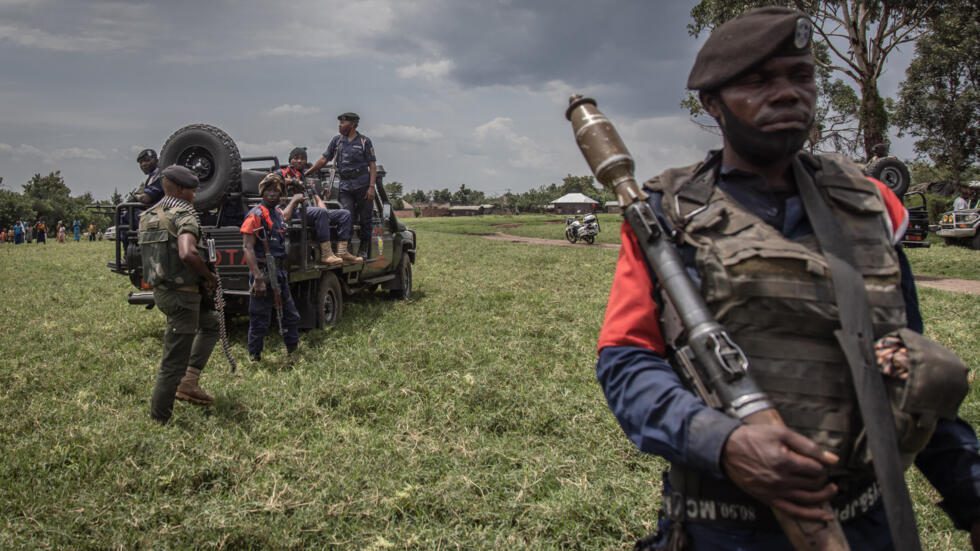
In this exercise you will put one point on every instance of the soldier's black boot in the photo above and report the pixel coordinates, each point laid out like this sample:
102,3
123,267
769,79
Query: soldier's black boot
364,250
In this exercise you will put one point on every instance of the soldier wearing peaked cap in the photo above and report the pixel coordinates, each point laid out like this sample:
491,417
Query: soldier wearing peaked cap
798,257
353,155
173,264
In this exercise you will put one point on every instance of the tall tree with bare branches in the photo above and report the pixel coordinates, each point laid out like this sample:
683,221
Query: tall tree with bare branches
858,36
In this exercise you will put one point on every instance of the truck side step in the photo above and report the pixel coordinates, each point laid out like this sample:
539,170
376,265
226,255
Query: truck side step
379,279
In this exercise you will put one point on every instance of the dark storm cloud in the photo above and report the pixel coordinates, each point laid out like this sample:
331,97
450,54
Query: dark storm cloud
635,49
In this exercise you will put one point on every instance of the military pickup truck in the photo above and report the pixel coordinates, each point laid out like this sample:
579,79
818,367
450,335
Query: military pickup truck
229,188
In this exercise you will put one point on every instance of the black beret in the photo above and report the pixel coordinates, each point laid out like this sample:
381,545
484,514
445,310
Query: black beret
182,176
748,40
146,154
297,152
348,116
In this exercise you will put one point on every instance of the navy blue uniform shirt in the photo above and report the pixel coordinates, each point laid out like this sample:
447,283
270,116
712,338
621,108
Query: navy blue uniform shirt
353,158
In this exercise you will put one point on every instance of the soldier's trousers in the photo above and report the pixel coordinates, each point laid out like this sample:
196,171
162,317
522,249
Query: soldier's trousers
261,314
321,219
191,334
355,200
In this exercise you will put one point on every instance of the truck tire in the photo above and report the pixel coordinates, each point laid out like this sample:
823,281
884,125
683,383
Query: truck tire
403,280
975,242
891,172
329,301
212,154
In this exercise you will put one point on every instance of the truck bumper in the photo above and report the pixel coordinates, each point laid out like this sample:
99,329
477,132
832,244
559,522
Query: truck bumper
956,233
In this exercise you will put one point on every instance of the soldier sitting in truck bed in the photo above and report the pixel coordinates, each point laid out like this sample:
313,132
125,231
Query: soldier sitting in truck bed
320,217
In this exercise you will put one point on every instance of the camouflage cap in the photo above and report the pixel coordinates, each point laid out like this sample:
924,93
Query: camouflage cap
748,40
348,116
271,179
182,176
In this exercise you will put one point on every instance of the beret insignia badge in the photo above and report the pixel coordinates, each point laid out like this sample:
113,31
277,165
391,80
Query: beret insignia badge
804,29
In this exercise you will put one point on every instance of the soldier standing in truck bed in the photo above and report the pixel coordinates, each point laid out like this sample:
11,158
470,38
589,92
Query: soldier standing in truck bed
152,187
353,155
173,263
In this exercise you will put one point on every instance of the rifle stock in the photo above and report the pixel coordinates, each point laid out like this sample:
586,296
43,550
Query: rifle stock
711,362
272,274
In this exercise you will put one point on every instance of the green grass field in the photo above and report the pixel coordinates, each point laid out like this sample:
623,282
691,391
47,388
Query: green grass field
465,418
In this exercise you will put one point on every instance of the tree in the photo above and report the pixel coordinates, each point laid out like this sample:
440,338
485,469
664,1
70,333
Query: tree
14,207
394,191
49,196
939,102
417,196
442,196
858,36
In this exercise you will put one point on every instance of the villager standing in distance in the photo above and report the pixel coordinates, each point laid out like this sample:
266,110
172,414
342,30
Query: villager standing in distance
755,216
173,264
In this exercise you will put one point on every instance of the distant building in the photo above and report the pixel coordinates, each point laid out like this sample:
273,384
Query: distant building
574,203
612,207
434,209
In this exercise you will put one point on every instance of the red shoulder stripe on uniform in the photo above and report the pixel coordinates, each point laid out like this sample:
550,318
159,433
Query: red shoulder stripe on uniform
632,317
898,216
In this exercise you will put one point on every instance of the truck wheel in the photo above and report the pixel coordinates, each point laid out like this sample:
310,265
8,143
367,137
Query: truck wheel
403,280
891,172
975,242
210,153
329,300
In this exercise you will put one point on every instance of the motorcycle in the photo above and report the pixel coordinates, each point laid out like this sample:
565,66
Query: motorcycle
586,230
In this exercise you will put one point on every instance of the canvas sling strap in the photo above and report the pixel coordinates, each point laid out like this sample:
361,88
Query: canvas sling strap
856,338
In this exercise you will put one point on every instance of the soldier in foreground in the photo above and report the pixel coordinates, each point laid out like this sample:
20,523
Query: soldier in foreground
264,235
320,216
173,263
353,154
749,230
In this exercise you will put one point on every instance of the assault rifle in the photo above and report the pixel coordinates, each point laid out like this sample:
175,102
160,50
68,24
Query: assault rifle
272,276
714,366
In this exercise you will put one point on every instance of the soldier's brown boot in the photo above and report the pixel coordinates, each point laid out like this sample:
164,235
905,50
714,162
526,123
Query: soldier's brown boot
345,255
327,257
189,391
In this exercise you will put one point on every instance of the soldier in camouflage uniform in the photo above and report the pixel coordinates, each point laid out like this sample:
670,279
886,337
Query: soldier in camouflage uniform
173,263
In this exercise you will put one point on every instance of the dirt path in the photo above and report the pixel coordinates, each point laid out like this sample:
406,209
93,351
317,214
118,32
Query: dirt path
947,284
943,284
540,241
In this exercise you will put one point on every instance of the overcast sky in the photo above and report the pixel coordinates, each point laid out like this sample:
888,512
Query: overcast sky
450,91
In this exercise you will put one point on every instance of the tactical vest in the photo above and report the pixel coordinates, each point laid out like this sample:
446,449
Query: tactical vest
162,267
775,296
